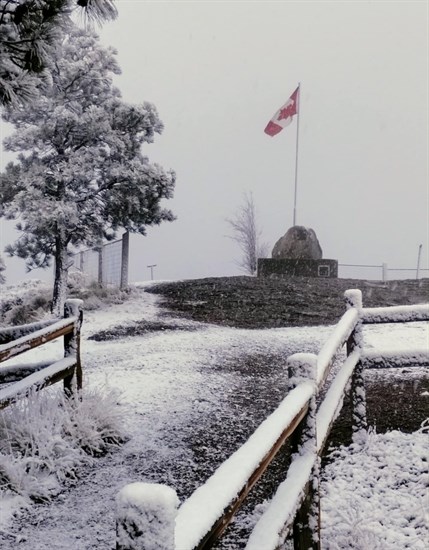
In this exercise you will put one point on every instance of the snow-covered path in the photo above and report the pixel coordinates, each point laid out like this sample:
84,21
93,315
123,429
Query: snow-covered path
172,384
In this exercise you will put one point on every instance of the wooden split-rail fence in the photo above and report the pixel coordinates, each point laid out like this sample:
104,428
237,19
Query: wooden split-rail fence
150,512
20,379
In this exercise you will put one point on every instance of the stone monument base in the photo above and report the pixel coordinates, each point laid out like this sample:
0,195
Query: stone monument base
282,268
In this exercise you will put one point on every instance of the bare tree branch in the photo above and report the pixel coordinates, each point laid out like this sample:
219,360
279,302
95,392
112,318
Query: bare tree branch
246,233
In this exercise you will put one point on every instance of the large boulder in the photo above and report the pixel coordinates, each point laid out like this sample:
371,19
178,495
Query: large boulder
299,243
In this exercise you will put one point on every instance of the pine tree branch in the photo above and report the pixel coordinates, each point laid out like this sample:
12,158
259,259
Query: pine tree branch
101,189
13,46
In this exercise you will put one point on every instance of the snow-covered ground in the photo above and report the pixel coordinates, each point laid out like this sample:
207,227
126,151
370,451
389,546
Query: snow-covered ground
177,384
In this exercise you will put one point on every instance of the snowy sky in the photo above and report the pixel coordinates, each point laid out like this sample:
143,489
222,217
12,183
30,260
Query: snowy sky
217,71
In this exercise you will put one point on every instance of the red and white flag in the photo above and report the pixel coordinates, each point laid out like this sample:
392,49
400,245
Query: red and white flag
284,115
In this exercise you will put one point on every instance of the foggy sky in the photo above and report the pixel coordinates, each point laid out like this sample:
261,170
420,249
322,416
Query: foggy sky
217,72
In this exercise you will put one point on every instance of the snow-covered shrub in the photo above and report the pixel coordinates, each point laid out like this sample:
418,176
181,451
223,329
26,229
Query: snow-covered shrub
35,309
29,302
45,438
375,496
95,424
76,280
96,296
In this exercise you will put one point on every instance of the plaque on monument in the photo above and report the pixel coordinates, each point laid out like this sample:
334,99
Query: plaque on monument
297,254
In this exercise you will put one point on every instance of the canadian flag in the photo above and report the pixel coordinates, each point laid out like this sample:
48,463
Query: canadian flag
284,115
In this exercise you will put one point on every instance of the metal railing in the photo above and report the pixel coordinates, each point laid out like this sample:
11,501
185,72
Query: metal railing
380,272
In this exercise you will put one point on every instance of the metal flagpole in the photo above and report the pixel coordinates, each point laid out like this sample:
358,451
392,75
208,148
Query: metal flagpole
296,159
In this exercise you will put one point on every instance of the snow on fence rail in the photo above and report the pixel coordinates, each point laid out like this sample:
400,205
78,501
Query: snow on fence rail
21,379
294,511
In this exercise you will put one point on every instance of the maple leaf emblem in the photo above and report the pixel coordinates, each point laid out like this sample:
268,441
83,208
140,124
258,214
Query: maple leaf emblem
288,111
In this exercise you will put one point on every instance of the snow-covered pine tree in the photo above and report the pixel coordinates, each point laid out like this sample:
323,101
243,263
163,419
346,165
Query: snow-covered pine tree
28,30
80,174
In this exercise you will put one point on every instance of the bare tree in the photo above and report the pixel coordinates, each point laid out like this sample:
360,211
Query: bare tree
246,232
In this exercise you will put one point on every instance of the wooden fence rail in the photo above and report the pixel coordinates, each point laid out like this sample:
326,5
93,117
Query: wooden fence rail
25,377
294,509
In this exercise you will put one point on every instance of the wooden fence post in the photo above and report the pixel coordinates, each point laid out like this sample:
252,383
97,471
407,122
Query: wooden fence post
100,265
125,260
73,383
306,527
358,395
145,517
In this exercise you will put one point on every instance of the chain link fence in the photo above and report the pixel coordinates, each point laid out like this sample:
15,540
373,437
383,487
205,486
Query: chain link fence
380,272
106,266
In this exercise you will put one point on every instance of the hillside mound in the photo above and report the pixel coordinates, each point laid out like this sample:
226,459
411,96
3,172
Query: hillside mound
250,302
